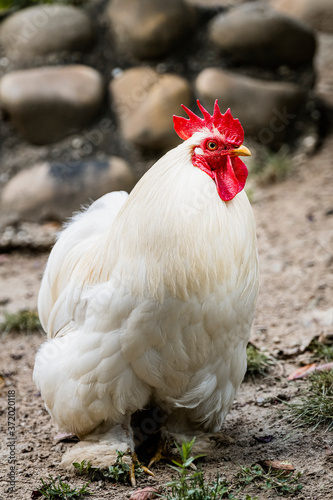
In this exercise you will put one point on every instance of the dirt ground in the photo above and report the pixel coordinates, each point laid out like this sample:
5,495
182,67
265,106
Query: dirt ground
295,240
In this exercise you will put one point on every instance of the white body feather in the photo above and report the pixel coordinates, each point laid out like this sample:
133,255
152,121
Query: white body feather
150,298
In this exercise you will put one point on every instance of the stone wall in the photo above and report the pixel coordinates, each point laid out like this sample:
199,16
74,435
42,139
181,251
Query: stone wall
87,94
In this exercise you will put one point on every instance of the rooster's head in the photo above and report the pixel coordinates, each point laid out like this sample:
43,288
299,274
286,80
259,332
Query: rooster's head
217,153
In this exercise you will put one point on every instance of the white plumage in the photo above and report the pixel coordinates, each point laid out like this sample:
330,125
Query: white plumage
148,298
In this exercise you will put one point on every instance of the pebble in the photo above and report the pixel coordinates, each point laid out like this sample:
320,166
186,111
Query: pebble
46,104
145,102
149,28
44,29
258,35
54,191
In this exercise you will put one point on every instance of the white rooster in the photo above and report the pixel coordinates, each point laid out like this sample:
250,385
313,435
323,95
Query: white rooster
149,298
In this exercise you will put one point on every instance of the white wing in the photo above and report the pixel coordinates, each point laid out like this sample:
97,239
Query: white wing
79,235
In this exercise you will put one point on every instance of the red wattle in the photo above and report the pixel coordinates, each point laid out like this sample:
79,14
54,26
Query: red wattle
230,178
226,181
240,170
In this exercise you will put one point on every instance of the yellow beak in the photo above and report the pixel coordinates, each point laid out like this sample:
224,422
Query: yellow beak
241,151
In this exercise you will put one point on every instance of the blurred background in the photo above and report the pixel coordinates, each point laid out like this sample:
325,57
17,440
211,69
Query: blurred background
88,89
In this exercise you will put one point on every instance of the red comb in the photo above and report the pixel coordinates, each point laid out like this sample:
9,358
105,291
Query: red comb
225,124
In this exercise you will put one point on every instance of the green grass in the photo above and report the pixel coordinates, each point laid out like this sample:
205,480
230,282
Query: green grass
258,362
56,489
321,351
315,408
119,472
24,321
282,482
191,485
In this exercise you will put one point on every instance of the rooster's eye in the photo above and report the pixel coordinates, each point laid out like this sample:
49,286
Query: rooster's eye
211,145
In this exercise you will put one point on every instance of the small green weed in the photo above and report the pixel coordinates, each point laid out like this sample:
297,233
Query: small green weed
188,485
55,489
282,482
315,408
24,321
191,485
258,363
194,487
119,472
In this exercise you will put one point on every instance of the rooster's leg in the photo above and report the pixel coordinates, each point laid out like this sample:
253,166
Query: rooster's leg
160,454
132,471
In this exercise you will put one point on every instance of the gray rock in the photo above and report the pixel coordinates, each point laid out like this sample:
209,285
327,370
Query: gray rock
49,103
55,191
265,109
257,35
145,102
44,29
149,28
318,14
